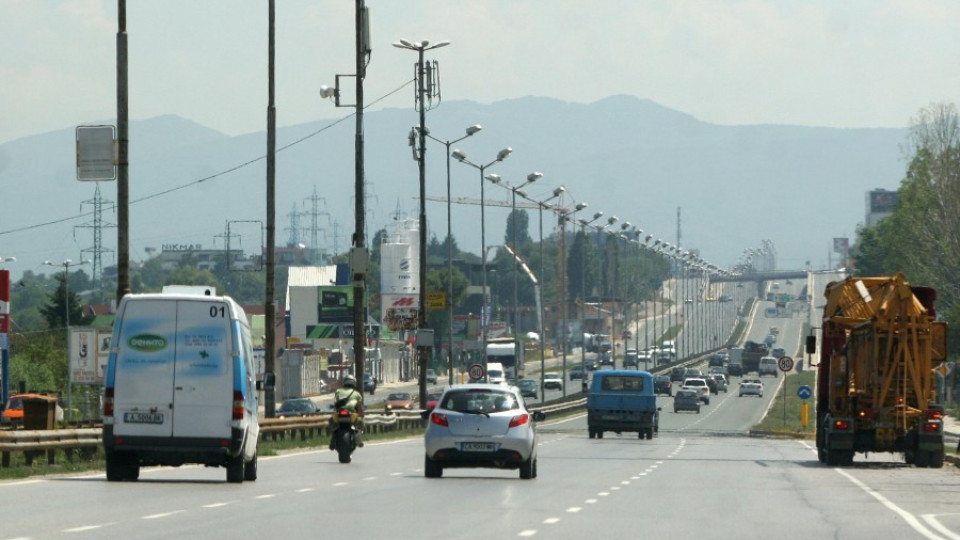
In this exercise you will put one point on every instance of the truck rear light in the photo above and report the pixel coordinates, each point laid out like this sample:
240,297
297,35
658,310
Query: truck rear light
841,425
108,401
519,420
932,427
933,414
867,413
237,405
439,419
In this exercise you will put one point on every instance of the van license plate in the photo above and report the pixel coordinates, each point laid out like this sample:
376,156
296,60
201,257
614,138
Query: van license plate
478,447
142,418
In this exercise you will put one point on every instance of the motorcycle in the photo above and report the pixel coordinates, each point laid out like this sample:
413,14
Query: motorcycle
345,434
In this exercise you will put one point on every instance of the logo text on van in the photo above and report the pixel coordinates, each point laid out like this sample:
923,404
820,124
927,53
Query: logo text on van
147,342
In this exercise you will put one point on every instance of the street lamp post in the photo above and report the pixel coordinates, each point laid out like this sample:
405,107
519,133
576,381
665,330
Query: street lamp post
422,94
531,178
469,132
543,348
565,215
583,287
462,158
66,303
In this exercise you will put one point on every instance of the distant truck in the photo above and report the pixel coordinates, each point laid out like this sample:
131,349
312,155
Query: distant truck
750,358
622,401
508,352
735,362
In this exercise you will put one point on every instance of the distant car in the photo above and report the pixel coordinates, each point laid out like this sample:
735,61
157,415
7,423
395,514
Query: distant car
552,380
296,407
431,376
770,339
432,399
751,387
369,383
528,388
662,385
13,413
721,381
677,373
575,372
606,358
591,364
686,400
778,352
712,384
698,384
481,425
631,358
398,401
734,370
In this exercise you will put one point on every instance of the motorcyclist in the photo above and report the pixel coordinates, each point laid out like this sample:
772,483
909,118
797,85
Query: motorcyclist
347,397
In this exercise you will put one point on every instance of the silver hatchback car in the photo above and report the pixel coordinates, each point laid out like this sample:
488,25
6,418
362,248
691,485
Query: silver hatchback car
481,425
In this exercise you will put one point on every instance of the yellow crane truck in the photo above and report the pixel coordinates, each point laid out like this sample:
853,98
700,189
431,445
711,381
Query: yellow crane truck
876,387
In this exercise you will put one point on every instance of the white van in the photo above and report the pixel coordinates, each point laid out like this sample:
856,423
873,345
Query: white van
768,366
495,373
180,386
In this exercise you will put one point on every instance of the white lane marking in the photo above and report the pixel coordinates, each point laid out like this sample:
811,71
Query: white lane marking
84,528
305,490
614,488
162,515
528,532
931,520
641,474
266,496
625,483
574,509
21,483
215,505
636,477
338,484
907,516
603,494
551,521
396,474
590,501
370,478
657,464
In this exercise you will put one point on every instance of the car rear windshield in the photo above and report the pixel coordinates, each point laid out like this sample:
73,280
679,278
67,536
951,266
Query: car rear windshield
479,401
622,383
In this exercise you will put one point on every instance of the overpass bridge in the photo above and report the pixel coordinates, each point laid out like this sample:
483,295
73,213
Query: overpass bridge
759,277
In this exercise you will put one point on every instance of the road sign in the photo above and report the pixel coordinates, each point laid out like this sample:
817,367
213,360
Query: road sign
804,392
785,363
96,153
477,372
436,300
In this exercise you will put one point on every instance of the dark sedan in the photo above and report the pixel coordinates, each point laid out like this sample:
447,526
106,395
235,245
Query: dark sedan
296,407
662,385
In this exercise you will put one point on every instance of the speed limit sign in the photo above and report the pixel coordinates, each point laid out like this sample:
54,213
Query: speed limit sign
477,372
785,363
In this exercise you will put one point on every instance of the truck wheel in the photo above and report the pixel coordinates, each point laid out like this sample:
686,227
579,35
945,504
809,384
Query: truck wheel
936,459
599,434
235,469
250,469
921,458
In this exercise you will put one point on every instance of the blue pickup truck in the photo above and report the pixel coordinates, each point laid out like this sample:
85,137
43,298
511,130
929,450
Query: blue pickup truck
622,401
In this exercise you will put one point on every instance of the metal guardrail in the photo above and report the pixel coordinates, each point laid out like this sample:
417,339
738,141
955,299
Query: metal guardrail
36,443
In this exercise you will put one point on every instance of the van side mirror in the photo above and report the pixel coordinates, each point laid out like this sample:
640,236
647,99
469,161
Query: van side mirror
811,345
269,381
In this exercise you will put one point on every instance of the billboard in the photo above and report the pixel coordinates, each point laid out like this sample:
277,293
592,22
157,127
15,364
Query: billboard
883,201
335,303
400,311
841,245
88,354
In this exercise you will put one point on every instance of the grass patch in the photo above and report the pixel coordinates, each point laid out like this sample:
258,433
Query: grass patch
789,423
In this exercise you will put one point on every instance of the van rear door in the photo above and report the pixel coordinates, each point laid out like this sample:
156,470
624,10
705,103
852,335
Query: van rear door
143,380
203,379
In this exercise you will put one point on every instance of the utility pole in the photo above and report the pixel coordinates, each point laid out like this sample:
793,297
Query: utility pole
123,162
270,303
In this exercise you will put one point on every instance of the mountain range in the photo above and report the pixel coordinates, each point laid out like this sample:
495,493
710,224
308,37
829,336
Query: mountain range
725,188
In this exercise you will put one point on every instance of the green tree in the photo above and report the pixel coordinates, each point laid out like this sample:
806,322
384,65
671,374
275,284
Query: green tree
39,360
55,311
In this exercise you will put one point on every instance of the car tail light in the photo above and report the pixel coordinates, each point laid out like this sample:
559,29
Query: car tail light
439,419
237,405
933,414
841,425
932,427
343,412
519,420
108,401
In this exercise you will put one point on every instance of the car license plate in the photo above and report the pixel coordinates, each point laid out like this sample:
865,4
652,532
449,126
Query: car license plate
142,418
478,447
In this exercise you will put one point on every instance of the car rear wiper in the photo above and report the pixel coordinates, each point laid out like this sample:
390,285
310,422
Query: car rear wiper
484,413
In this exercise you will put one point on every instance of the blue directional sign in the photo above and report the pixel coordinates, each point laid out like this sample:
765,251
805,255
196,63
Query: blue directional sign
804,392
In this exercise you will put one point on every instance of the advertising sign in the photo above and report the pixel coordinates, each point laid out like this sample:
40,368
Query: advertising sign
400,311
335,303
96,153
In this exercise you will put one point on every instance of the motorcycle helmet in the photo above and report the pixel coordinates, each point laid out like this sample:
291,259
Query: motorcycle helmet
349,382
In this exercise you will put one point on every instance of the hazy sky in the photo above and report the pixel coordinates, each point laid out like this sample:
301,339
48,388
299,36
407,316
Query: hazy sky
850,63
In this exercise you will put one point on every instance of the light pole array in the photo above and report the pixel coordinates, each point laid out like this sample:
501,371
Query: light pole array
566,214
462,158
583,287
543,336
470,131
